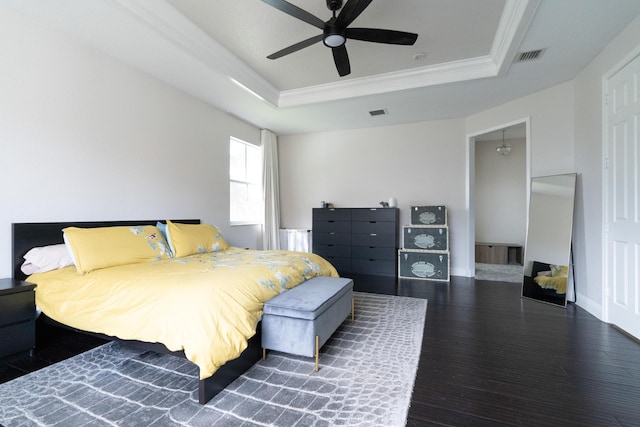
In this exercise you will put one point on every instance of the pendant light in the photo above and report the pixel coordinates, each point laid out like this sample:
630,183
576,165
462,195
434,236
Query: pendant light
505,148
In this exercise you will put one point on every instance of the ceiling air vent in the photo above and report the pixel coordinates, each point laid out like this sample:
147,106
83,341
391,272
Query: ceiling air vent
530,55
378,112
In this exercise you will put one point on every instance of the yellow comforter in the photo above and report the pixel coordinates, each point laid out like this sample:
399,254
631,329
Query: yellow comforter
207,305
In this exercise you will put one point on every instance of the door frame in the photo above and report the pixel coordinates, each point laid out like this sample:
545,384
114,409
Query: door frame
470,184
606,261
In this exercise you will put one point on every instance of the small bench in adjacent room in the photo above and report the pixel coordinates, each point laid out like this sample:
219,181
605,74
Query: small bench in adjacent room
299,321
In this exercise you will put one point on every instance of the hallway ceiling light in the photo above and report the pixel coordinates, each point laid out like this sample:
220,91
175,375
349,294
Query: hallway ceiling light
505,148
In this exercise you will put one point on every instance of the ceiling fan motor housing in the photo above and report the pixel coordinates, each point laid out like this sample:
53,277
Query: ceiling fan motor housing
334,4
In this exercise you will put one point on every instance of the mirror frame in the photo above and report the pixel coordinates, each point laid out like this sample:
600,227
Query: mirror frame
550,222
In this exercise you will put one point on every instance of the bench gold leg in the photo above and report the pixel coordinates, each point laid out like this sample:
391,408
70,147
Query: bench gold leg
353,310
264,353
317,352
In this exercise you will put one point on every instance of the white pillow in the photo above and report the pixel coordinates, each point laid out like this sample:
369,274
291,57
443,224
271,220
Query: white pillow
46,258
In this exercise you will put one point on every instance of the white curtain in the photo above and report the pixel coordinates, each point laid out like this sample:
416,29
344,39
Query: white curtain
270,238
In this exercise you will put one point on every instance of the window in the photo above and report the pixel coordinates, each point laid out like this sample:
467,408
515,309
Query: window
245,183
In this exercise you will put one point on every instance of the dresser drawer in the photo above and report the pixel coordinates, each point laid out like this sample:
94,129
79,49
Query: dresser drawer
17,307
332,214
332,227
372,266
343,265
373,227
373,253
331,239
325,251
17,337
374,239
374,214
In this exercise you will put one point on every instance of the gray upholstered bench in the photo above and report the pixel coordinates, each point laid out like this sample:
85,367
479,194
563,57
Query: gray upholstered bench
299,321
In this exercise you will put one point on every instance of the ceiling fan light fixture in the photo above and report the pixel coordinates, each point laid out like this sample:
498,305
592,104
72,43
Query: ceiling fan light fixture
334,40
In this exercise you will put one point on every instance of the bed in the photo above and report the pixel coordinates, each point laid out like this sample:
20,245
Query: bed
204,305
548,282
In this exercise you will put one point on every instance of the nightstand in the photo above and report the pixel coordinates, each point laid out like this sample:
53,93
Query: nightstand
17,317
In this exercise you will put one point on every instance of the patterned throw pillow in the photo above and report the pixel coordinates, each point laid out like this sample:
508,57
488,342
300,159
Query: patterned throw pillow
189,239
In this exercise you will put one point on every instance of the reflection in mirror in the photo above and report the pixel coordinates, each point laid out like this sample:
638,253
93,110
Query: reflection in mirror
548,245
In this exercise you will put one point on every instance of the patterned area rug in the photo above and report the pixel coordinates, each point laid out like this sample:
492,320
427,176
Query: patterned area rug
366,376
499,272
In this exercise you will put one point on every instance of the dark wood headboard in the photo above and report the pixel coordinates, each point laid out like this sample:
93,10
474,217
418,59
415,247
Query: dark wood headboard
27,235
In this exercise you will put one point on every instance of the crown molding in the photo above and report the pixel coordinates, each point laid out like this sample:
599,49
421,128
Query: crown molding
514,21
165,20
188,58
391,82
516,18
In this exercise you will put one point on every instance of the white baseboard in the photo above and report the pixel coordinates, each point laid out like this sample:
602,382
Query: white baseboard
591,306
464,272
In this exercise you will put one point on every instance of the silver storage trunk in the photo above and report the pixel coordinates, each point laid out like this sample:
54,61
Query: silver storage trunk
426,237
429,215
424,265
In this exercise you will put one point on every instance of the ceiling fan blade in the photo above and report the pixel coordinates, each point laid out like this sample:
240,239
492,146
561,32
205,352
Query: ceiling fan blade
381,36
296,47
296,12
351,11
342,60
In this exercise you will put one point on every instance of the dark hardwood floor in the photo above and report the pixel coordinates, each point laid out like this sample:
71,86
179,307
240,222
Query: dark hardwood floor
488,358
53,345
491,358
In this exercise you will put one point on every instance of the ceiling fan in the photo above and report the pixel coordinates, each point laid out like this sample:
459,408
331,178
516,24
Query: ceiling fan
335,31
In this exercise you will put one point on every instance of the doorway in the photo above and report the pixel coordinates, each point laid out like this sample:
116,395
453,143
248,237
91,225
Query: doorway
498,184
621,199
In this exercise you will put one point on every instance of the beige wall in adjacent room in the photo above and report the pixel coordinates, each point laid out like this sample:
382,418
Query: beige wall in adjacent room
500,192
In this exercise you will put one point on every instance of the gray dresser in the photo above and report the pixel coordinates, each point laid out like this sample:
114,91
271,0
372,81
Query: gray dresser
358,241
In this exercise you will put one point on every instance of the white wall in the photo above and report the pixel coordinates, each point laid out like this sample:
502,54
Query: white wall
566,133
500,192
551,120
84,137
418,164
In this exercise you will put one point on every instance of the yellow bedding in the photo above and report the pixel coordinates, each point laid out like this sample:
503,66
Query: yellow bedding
559,283
207,304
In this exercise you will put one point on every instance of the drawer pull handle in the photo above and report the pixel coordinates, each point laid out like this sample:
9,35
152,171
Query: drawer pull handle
331,232
373,234
372,222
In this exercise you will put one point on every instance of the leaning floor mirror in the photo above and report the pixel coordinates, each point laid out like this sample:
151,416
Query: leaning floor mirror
547,256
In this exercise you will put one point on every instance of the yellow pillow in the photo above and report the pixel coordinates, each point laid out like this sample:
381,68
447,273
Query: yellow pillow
189,239
94,248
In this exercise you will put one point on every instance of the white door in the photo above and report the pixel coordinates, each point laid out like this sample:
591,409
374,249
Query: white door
622,188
